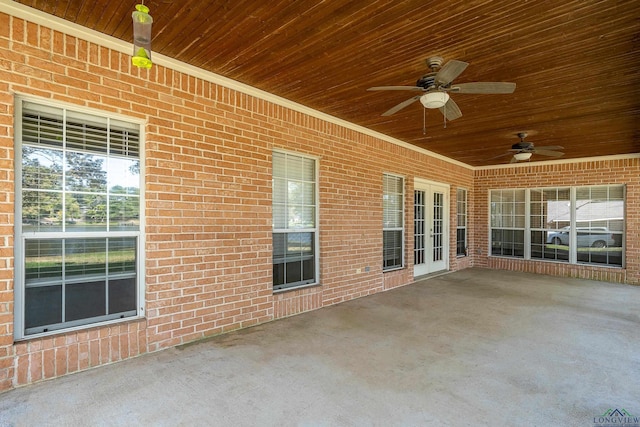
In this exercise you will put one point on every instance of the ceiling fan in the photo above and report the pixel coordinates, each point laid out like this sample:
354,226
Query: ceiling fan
523,150
436,86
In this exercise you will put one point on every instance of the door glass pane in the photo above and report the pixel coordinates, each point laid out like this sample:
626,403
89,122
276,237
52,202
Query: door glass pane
419,228
437,226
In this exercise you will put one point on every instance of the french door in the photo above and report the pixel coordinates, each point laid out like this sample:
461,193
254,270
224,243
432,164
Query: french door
431,228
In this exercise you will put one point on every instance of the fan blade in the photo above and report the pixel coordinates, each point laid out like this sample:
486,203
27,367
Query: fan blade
484,87
395,88
450,71
401,105
501,155
550,147
548,153
451,110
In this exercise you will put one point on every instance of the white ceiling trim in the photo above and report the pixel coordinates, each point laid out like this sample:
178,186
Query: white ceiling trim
557,162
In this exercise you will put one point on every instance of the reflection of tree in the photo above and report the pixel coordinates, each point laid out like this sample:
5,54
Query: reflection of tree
85,184
123,208
85,173
40,204
72,208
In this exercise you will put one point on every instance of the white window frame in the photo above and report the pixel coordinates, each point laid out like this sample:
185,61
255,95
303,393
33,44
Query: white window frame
387,228
314,230
573,206
464,217
509,223
21,236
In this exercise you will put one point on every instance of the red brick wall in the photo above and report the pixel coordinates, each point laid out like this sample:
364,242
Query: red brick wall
208,201
620,171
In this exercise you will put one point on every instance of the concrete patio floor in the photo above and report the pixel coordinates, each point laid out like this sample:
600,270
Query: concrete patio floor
475,347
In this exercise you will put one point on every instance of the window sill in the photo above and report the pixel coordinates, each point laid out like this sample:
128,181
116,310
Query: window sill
295,288
59,332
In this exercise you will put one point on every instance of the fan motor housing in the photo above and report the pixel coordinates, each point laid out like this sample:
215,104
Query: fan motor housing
522,146
427,81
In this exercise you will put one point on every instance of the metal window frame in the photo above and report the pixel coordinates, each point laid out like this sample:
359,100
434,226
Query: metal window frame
315,230
573,251
401,229
463,226
21,237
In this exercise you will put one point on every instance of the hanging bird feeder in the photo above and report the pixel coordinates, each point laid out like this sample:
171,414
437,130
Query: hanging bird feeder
142,37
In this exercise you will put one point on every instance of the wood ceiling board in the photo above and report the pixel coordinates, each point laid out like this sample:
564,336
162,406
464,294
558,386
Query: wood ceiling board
574,63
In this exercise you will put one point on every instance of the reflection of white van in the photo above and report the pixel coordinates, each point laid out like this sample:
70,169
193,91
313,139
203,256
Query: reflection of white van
595,237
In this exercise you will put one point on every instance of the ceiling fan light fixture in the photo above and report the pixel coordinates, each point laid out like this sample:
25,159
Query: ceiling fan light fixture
434,99
522,156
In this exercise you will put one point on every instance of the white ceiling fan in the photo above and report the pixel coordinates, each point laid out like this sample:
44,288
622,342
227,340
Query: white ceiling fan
523,150
436,87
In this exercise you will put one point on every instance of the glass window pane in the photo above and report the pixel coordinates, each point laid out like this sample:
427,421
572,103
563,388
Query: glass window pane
124,176
308,269
86,132
294,190
85,300
122,295
279,165
295,168
293,271
41,168
309,170
122,255
43,260
43,306
392,249
92,209
85,257
278,275
42,125
124,213
279,245
41,211
309,192
279,216
280,190
86,172
308,216
124,139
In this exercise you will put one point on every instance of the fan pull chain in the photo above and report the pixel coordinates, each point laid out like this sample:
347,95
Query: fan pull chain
424,121
444,114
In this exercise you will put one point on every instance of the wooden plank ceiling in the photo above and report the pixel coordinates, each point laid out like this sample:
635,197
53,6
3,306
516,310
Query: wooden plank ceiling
575,63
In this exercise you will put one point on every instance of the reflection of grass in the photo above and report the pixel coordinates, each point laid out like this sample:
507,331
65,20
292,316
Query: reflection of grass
81,262
585,248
